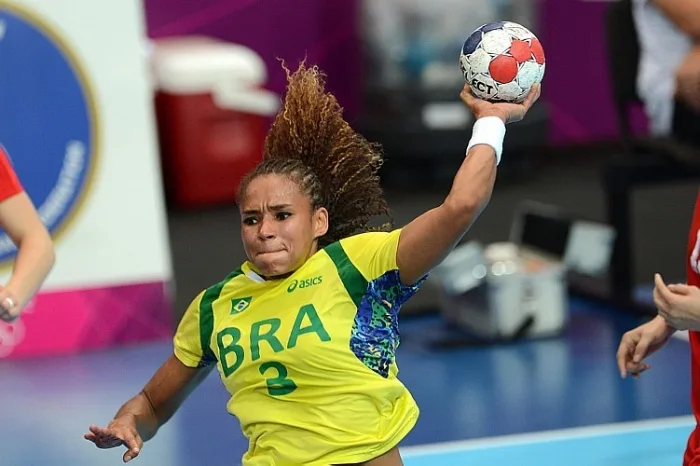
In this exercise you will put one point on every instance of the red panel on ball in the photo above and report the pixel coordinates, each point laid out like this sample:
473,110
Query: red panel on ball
520,50
503,69
537,51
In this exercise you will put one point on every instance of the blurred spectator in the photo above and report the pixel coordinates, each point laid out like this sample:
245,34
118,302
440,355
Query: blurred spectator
669,68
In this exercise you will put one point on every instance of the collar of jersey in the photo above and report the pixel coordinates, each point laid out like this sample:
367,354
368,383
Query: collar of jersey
250,273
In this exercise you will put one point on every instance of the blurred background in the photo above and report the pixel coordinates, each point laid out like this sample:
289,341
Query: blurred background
131,123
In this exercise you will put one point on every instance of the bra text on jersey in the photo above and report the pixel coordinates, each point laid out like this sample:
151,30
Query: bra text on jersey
232,353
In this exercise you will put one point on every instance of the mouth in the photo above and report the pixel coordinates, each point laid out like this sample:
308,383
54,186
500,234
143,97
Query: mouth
265,253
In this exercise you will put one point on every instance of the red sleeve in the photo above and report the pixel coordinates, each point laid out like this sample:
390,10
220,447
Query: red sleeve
9,183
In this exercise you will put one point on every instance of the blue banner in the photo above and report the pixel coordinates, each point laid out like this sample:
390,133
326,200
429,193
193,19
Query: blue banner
47,120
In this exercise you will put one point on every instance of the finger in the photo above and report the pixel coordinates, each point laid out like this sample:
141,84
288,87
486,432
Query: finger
105,438
133,443
679,288
100,431
129,455
102,441
622,366
8,303
624,352
467,96
658,280
661,304
8,315
636,370
110,441
634,367
640,352
661,286
7,300
664,293
532,96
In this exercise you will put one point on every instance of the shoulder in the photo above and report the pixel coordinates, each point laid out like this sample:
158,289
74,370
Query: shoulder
9,183
200,312
363,247
206,298
372,253
371,240
5,163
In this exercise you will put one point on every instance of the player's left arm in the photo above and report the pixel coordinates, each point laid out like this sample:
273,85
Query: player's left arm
35,256
427,240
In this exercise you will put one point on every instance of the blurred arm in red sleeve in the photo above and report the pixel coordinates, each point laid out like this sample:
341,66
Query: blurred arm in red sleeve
35,257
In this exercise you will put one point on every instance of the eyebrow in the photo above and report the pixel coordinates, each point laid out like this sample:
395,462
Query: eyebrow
273,207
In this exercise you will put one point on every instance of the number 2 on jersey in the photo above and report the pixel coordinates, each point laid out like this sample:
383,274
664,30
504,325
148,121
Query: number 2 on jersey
279,385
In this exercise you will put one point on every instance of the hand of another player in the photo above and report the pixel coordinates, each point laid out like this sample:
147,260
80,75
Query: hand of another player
639,343
678,304
10,307
121,431
688,79
508,112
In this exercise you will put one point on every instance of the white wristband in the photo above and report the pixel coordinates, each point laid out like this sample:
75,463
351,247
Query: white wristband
490,131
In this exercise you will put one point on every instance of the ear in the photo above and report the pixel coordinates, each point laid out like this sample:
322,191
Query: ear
320,220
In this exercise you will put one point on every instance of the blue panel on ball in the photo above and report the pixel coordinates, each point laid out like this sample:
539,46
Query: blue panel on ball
471,43
493,26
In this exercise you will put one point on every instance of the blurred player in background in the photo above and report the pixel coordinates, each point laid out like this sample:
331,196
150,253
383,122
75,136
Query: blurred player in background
669,84
304,334
669,68
679,309
35,256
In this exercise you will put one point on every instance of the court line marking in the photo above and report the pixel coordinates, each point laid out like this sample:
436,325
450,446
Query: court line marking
549,436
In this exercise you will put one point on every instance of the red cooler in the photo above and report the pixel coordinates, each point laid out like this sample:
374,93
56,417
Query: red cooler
212,115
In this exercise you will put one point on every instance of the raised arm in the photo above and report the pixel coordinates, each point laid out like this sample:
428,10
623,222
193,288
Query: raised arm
138,420
427,240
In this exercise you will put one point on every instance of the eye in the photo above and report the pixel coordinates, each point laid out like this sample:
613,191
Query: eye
250,221
283,215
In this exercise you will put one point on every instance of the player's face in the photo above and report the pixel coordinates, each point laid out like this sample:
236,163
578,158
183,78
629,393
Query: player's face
278,227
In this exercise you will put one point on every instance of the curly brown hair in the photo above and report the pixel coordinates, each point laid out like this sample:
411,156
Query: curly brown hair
311,143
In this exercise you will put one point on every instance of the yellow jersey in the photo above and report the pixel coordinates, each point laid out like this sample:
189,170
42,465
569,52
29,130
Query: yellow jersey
309,360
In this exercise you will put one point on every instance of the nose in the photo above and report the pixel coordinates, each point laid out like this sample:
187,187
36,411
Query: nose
267,229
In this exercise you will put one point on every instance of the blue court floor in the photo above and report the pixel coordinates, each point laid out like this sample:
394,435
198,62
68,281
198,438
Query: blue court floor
555,401
641,443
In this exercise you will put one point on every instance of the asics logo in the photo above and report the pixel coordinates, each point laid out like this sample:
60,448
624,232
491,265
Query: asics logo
305,283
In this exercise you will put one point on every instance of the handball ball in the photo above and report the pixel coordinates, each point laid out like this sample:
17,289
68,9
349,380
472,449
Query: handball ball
501,61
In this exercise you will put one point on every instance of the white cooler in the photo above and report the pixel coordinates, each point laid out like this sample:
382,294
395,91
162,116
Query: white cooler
503,292
519,289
